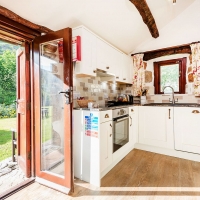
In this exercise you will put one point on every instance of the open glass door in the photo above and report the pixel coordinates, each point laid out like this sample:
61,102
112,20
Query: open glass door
53,109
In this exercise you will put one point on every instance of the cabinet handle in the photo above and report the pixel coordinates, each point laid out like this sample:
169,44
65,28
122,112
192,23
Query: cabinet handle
106,116
169,114
195,111
124,79
131,121
132,110
117,77
110,125
94,71
107,67
110,135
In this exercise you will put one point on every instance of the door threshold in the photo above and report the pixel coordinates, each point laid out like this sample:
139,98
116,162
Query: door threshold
52,185
16,188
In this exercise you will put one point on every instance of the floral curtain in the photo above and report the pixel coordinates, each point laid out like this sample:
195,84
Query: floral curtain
138,74
195,48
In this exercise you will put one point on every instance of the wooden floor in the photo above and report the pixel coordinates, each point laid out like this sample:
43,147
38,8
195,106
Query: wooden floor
140,175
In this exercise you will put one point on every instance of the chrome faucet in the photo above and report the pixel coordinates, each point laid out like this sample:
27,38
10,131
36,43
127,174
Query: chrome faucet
173,99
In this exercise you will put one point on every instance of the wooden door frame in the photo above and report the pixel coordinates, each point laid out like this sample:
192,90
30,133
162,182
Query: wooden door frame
23,109
36,108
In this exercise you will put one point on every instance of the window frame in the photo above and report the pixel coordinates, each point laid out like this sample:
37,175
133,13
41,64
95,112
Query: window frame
182,74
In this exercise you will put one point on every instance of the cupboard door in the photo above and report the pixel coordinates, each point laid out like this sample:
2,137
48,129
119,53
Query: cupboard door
156,126
127,74
187,129
133,125
87,65
105,145
106,56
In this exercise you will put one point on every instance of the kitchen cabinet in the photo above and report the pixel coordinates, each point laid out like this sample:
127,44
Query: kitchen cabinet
127,66
114,62
156,126
106,144
124,70
92,144
106,56
87,65
98,54
187,129
133,125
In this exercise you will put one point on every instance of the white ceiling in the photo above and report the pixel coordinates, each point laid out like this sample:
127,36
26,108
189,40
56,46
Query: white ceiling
116,21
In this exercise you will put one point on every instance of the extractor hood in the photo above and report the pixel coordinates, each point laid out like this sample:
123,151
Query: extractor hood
105,76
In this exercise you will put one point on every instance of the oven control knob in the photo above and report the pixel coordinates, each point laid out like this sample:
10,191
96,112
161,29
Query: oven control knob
122,112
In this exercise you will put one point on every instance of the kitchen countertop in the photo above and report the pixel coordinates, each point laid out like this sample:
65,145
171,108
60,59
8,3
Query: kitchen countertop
106,108
147,104
173,105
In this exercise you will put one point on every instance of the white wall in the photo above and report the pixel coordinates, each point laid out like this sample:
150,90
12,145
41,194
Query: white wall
184,29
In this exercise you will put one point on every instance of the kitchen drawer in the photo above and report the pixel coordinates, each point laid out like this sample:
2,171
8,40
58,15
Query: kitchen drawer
105,116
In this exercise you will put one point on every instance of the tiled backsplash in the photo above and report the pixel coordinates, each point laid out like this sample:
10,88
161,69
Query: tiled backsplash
93,88
182,98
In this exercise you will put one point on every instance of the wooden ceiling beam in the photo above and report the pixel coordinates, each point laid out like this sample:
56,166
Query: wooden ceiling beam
12,16
181,49
147,16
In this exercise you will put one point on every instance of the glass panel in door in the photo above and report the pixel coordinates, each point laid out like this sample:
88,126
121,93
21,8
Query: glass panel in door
52,107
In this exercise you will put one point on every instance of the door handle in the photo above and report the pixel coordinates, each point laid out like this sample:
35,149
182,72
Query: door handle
68,95
16,102
131,121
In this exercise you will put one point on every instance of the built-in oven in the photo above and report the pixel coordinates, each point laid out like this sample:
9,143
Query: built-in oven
120,128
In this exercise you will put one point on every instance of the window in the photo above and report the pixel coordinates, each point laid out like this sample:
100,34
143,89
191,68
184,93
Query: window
170,73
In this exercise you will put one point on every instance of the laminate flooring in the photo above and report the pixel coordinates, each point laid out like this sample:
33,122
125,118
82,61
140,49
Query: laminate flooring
140,175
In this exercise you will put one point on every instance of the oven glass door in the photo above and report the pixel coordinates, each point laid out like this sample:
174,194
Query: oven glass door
120,132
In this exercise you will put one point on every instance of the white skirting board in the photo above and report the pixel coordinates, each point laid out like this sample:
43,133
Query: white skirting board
169,152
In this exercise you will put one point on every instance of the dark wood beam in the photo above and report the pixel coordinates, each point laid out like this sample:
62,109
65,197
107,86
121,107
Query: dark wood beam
11,15
147,16
181,49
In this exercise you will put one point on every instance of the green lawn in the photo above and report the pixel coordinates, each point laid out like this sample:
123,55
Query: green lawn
6,137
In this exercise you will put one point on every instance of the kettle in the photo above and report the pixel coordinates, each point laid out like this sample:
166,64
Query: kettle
122,97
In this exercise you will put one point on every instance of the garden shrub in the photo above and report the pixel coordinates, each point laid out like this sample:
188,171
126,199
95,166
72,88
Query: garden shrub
7,111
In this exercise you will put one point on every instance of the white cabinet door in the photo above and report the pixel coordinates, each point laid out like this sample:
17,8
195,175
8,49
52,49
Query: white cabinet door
124,72
104,56
187,129
126,69
156,126
106,145
133,125
87,65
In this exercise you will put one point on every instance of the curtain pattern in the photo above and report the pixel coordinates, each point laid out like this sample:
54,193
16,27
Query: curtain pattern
195,48
138,74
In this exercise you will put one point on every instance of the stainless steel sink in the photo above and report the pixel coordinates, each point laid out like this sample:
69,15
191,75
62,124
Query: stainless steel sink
187,105
174,105
158,104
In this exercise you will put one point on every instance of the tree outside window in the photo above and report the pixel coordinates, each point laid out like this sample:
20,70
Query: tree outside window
170,73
